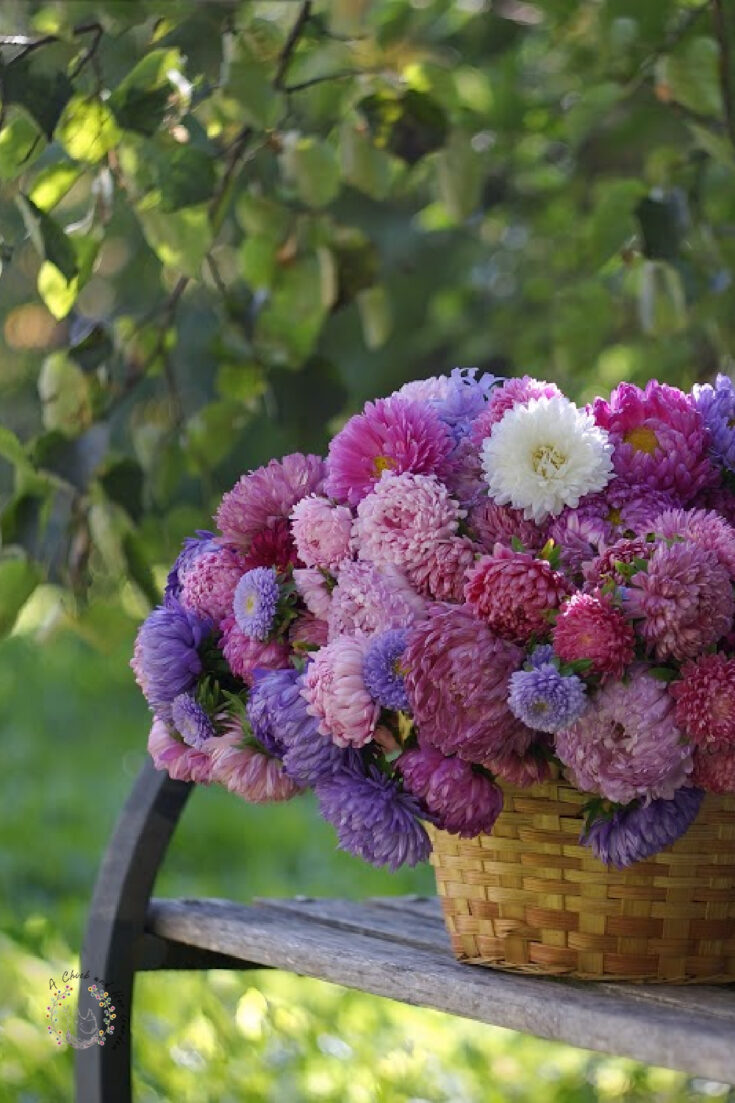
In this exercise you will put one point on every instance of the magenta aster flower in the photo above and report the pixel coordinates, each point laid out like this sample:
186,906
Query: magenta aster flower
684,601
513,593
493,524
392,434
245,655
404,518
705,701
312,585
610,566
263,497
590,627
457,683
660,438
322,531
369,599
702,527
180,761
714,770
272,547
626,744
335,693
255,776
442,573
209,583
630,835
514,392
461,799
520,769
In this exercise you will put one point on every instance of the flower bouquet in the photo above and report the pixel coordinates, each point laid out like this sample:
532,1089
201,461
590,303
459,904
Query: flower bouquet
497,624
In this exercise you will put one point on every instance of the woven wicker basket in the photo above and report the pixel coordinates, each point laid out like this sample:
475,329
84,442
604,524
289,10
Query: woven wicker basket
530,899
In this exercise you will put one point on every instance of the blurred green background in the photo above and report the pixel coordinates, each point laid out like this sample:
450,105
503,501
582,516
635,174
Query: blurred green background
223,226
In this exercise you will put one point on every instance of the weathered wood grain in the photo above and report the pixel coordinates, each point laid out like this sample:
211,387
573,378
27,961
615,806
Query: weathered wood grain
362,946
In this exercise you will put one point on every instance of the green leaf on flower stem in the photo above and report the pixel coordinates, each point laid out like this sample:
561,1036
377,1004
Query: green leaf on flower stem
663,673
48,238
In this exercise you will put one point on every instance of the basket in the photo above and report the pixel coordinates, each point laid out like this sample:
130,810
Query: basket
530,899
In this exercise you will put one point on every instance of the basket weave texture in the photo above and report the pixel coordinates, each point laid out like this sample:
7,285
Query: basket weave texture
530,899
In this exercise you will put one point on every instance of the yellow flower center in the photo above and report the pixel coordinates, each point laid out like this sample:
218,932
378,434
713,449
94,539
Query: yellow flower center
397,668
642,439
547,460
383,463
614,517
250,603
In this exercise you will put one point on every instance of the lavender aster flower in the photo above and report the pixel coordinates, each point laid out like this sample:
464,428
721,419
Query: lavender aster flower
382,670
375,820
190,720
466,396
717,407
541,656
256,601
166,655
632,834
546,700
194,546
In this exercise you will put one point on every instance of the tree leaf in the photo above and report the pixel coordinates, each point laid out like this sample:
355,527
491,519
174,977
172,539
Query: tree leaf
18,579
180,238
375,315
64,391
186,176
139,568
459,176
313,168
59,294
140,100
123,482
87,129
690,76
52,184
10,447
48,238
290,322
42,92
21,142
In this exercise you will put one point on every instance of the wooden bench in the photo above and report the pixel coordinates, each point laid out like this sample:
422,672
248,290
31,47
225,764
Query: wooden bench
394,947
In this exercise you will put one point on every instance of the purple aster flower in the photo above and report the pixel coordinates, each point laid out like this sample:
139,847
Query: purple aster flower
717,407
194,546
166,658
374,819
191,720
382,670
546,700
632,834
255,602
541,656
466,396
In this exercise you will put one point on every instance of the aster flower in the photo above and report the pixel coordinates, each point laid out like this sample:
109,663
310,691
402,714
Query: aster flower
705,701
717,407
254,775
580,537
714,770
441,575
626,743
544,456
374,819
312,586
246,655
191,720
194,546
660,438
590,627
335,693
721,499
513,593
466,397
513,392
392,434
463,474
404,518
180,761
322,531
167,654
460,799
209,582
265,496
369,599
382,669
632,834
546,700
609,567
272,547
540,656
456,679
433,389
702,527
684,601
601,519
255,602
493,524
522,769
308,632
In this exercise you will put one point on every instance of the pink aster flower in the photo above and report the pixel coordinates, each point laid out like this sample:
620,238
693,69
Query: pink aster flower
457,683
705,701
590,627
441,575
660,438
272,547
404,518
209,584
369,599
435,388
246,655
463,801
392,434
702,527
322,531
308,631
606,568
513,592
265,496
335,693
180,761
493,524
248,771
626,744
514,392
312,585
522,770
684,601
714,770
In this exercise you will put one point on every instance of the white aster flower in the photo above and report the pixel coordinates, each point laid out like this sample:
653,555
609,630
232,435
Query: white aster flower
544,456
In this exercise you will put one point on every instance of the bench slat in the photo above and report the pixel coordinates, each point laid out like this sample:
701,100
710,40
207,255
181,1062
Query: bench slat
358,945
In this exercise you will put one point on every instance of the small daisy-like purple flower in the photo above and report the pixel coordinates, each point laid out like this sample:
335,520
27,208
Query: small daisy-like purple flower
256,601
374,818
717,407
384,676
546,700
191,720
631,834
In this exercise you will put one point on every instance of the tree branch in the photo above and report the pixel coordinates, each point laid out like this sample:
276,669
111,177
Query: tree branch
721,32
138,372
340,74
291,43
30,44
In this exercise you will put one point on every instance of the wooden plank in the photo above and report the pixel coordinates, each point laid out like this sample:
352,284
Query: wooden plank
368,918
693,1032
